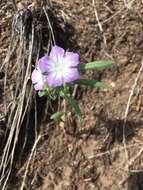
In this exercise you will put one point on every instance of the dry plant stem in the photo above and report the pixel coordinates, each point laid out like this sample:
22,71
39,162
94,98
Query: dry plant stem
5,82
27,110
99,23
75,90
118,12
132,160
130,163
8,155
127,110
50,26
36,122
114,150
17,73
11,49
29,160
107,2
126,4
65,113
27,104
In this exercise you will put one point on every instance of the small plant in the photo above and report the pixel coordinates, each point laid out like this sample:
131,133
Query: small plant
55,74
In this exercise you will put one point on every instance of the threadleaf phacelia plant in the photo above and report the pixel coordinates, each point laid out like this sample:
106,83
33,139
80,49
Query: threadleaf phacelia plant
56,73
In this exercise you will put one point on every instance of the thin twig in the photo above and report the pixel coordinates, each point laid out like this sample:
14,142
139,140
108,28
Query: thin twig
126,4
127,109
29,160
99,23
114,150
50,26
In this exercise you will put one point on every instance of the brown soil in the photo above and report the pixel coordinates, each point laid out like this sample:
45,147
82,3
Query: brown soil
91,155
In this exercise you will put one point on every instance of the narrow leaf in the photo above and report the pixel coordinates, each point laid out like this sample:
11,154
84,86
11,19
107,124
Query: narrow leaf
95,65
73,103
75,106
57,115
92,82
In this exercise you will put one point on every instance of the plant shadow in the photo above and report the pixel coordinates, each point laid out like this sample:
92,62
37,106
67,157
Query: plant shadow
135,181
115,128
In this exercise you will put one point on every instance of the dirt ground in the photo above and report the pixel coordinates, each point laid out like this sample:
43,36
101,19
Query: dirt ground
104,151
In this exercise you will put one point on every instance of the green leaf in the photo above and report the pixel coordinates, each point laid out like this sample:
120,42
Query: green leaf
92,82
56,116
95,65
75,106
42,93
73,103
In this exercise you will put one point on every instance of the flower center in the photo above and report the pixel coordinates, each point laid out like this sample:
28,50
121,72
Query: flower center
59,68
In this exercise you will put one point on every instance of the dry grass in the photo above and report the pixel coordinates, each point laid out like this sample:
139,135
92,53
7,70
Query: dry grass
22,96
18,108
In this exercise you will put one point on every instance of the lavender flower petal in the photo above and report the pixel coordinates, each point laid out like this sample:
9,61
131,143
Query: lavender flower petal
71,59
71,75
57,53
43,64
54,80
37,79
38,87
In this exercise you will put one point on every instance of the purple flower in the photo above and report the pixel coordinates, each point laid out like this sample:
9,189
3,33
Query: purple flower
38,78
62,67
58,68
